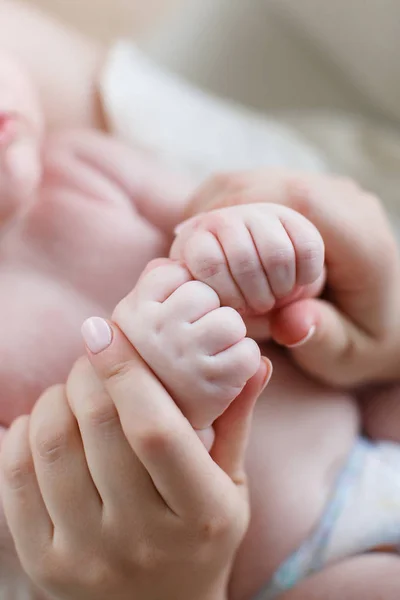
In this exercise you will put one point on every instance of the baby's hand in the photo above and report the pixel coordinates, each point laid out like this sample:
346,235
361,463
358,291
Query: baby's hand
257,257
198,349
355,336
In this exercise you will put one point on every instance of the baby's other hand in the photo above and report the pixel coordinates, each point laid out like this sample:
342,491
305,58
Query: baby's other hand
257,257
351,336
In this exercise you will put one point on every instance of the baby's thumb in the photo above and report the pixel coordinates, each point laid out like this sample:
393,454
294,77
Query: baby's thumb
322,341
232,429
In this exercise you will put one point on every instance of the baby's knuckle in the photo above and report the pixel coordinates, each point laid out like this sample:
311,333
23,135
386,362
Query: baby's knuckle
310,252
244,265
281,258
206,265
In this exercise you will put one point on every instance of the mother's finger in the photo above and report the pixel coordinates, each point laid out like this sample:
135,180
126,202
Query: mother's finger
24,508
120,478
162,438
67,488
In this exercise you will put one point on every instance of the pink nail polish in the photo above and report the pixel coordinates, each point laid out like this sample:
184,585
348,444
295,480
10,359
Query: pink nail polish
97,334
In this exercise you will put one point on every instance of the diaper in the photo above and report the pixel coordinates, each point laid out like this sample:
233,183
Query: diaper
363,515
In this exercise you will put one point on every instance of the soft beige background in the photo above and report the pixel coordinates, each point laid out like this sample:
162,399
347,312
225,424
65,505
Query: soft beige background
252,56
107,18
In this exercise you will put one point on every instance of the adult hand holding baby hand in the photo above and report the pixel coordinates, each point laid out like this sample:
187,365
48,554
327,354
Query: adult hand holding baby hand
109,493
353,334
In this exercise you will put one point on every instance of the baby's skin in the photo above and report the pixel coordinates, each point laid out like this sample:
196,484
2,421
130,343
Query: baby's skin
81,216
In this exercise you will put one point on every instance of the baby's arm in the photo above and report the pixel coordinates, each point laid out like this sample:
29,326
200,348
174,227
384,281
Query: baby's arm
363,578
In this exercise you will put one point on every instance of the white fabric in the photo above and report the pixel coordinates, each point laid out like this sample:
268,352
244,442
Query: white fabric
148,105
291,53
188,128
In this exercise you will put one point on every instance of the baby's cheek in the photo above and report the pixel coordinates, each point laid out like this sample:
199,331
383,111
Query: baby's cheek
40,339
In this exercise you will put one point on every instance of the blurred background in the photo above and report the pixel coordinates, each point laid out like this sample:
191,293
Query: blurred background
246,50
107,19
329,70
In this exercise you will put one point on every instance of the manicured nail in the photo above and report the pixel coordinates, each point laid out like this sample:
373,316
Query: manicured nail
97,334
305,339
268,374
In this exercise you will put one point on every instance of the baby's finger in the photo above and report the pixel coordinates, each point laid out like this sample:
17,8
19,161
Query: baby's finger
308,246
276,251
205,258
218,330
24,508
244,261
159,280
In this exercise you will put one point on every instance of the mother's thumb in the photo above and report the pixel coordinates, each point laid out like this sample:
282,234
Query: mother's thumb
233,427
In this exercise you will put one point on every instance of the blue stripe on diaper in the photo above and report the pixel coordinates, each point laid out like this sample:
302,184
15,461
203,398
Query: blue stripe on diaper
309,558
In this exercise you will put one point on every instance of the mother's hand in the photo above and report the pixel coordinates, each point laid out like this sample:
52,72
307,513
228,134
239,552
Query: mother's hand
109,493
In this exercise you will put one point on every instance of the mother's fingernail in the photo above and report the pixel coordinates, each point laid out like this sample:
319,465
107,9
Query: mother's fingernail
97,334
268,372
305,339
